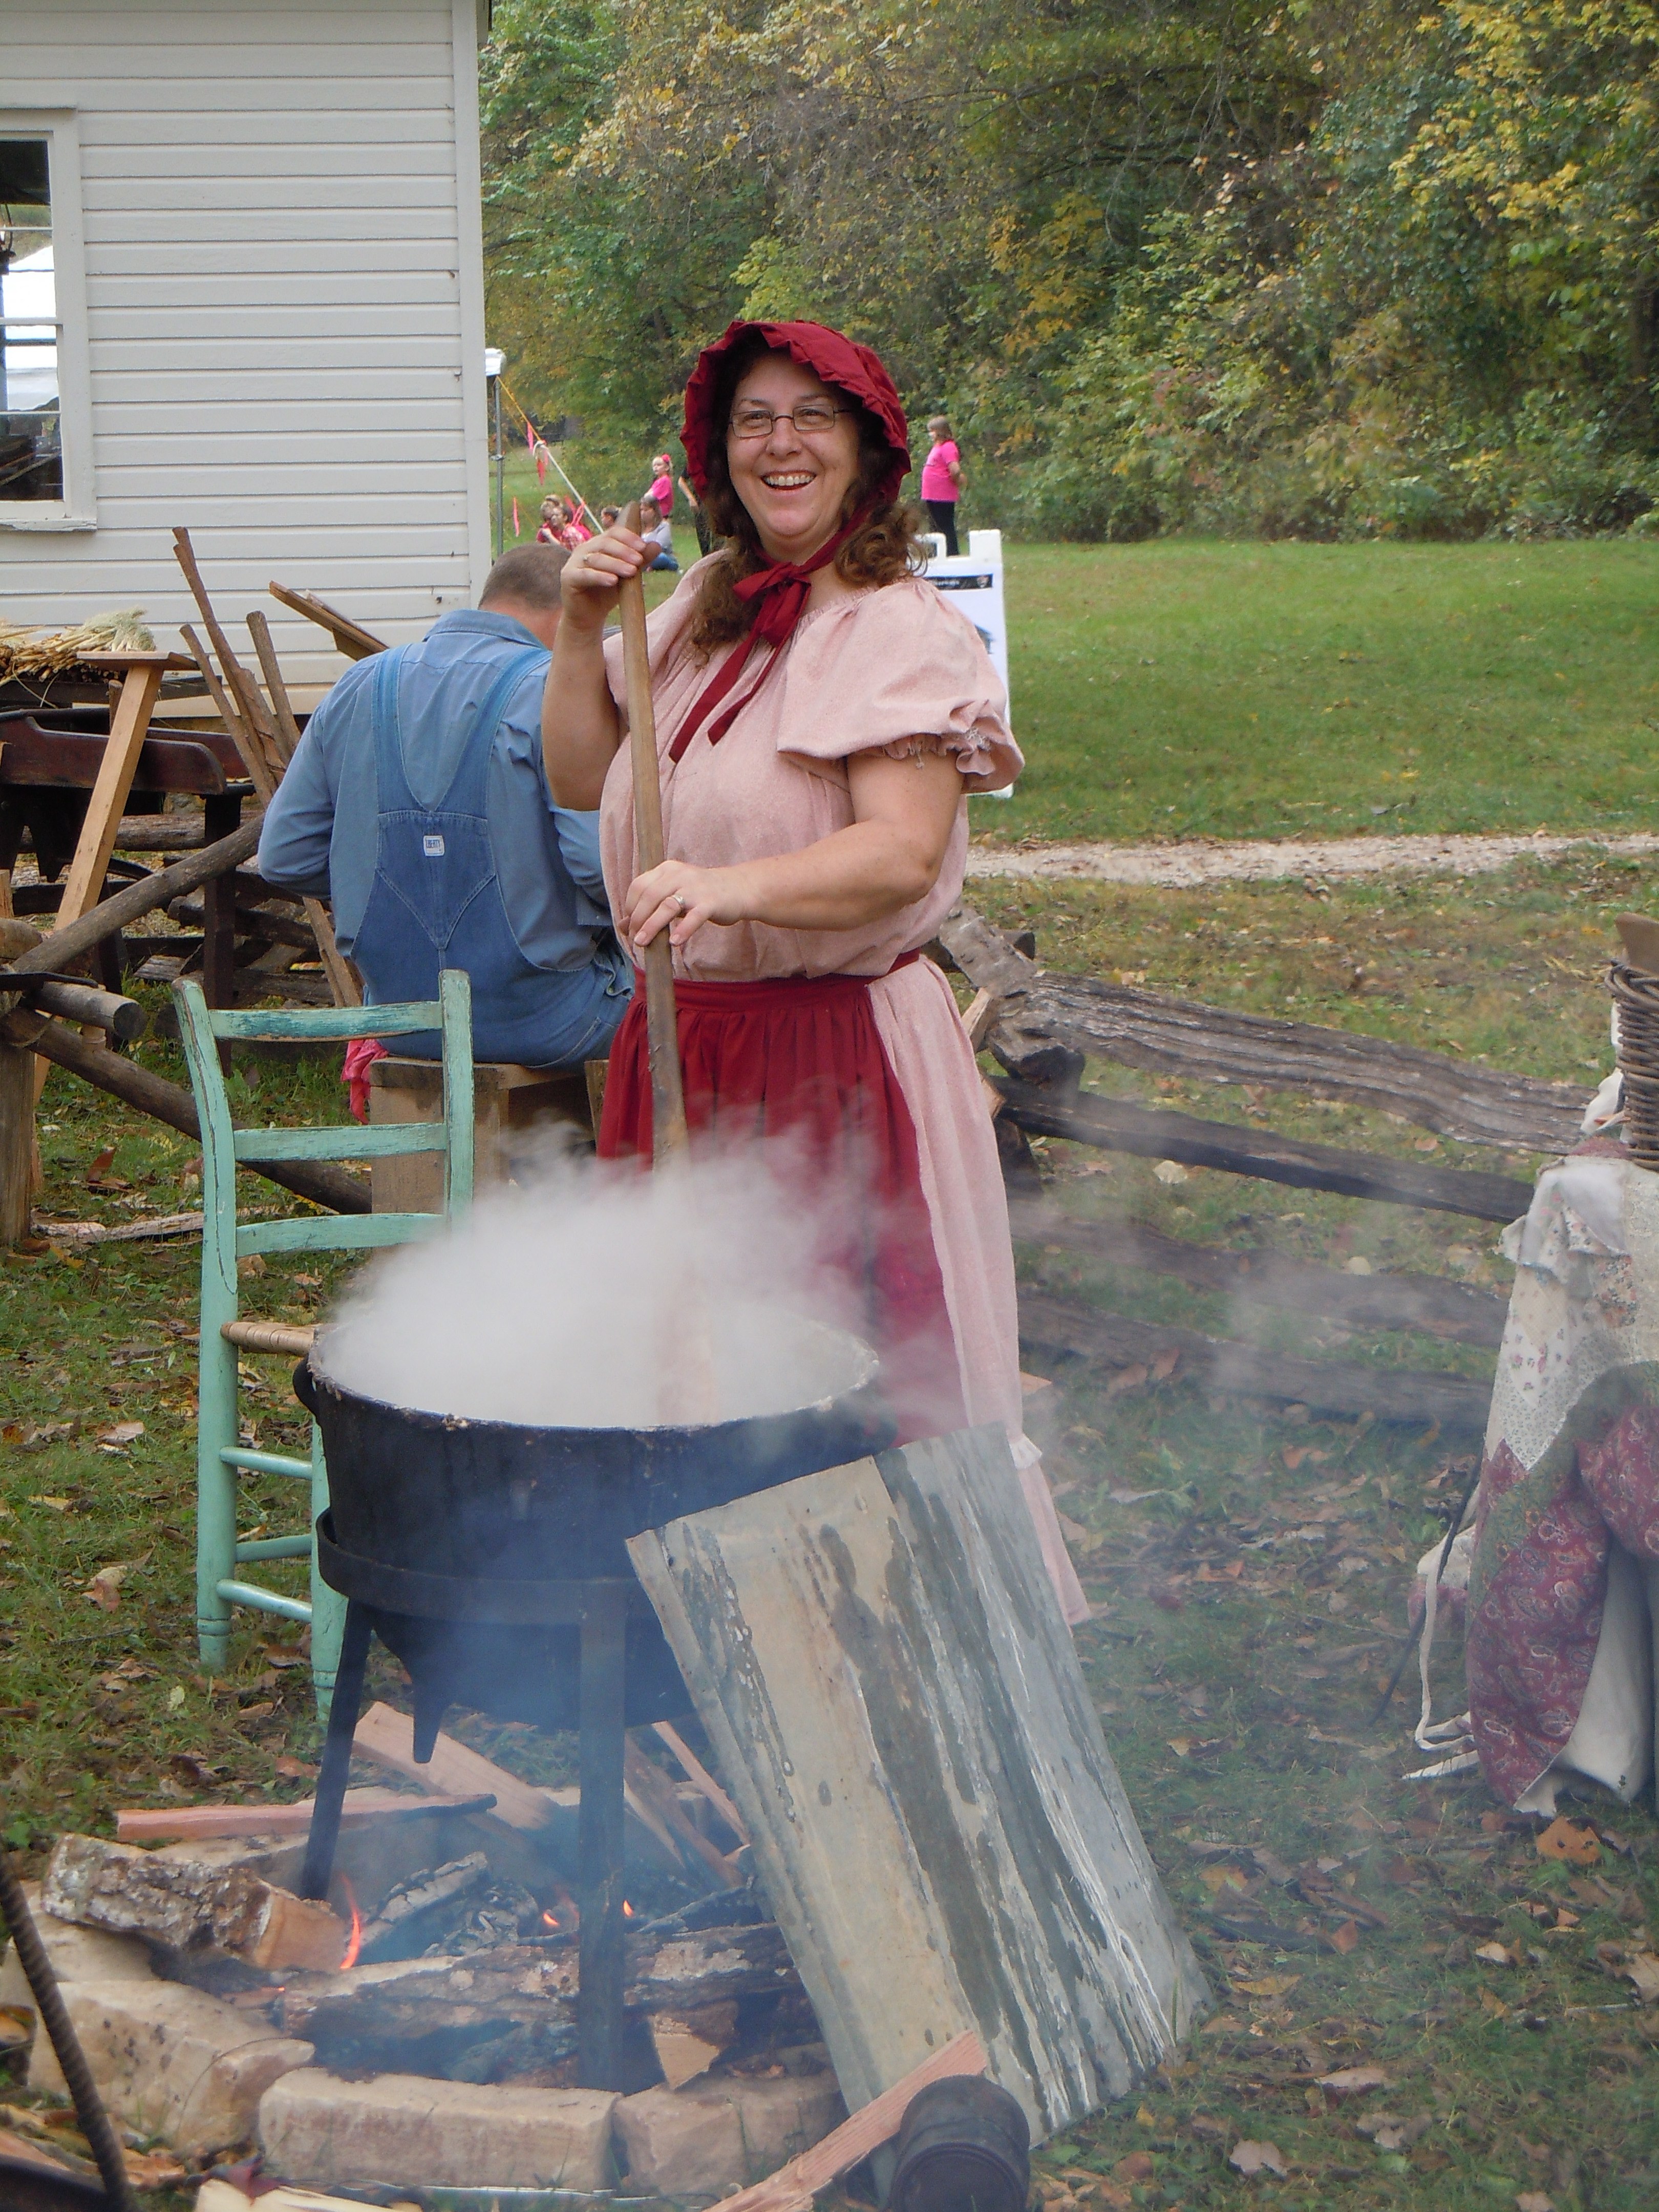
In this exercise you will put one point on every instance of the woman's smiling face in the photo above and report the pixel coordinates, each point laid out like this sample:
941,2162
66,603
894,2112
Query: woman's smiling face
792,486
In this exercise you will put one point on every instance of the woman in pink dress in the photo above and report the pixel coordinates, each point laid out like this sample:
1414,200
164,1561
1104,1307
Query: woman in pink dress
822,714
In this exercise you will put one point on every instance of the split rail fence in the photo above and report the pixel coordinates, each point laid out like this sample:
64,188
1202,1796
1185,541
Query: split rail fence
1043,1027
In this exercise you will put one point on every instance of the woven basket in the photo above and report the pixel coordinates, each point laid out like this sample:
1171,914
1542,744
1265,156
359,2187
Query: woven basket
1636,995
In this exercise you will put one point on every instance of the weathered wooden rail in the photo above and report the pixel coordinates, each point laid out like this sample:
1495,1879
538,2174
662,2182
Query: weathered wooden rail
1156,1134
1042,1027
1047,1024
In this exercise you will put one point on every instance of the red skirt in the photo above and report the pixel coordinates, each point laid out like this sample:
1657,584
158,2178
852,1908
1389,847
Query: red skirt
800,1060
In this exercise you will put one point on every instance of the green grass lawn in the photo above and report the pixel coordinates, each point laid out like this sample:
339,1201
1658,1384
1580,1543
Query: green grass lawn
1237,1654
1197,688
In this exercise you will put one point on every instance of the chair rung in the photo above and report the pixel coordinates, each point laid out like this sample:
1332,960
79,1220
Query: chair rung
340,1143
335,1232
268,1336
263,1601
275,1547
315,1022
259,1462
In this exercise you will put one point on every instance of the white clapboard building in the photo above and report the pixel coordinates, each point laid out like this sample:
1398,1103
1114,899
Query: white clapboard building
241,270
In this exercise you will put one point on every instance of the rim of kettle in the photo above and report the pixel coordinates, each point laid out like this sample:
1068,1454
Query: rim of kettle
866,1363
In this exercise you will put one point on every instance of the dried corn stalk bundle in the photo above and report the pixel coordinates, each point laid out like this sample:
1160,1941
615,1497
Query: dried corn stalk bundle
30,654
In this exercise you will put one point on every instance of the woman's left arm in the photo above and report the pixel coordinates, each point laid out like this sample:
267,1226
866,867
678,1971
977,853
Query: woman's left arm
888,858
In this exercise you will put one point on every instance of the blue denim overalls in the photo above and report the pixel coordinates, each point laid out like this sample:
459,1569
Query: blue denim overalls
436,903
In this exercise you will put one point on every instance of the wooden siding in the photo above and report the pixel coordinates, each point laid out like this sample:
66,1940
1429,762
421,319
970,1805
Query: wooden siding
284,316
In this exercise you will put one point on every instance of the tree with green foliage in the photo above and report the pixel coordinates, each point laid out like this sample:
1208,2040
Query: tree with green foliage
1264,265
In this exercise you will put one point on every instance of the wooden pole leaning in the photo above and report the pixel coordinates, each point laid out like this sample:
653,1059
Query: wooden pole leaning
669,1138
341,979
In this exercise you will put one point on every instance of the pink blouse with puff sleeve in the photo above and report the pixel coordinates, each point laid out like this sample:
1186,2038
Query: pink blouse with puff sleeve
896,669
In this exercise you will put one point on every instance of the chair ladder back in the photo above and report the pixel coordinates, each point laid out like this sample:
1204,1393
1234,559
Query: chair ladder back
221,1456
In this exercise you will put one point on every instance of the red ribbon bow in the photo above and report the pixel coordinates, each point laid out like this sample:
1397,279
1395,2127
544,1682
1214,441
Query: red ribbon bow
783,591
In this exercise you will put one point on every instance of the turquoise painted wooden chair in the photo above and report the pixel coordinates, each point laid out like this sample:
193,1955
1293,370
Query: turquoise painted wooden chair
221,1454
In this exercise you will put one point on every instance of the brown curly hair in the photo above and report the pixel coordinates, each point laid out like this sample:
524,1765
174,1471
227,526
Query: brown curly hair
888,547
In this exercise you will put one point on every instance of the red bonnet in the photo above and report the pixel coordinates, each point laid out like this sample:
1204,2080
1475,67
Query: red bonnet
841,362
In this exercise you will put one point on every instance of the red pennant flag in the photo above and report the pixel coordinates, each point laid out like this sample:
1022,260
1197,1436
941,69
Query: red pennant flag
515,517
541,462
530,434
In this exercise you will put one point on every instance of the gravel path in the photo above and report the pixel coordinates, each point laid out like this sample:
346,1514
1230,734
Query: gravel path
1179,867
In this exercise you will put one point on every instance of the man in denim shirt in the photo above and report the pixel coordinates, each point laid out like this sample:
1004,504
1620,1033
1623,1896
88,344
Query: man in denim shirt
417,802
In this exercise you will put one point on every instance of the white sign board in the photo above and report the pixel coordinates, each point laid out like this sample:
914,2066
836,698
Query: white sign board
973,580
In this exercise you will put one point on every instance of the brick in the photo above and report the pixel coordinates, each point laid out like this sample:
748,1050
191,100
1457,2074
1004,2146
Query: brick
401,2128
78,1954
171,2062
722,2132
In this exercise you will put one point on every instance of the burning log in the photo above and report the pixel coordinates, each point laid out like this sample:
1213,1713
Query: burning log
187,1906
388,1934
441,2013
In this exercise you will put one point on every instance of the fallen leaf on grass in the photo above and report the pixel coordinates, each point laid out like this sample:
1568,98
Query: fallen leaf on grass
1269,1985
256,1712
1128,1378
1228,1574
1134,1496
294,1769
105,1588
1169,1171
1256,2158
1217,1878
1391,2133
124,1432
1533,2200
1345,1938
1578,1846
101,1164
1642,1969
188,1768
1353,2081
1495,1954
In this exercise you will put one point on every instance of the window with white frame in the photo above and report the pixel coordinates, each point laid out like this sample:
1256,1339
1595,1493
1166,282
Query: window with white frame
44,433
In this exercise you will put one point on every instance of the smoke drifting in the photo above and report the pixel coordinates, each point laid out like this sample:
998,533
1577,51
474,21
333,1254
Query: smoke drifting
572,1300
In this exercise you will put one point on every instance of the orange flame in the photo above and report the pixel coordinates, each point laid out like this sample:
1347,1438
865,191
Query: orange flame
627,1909
354,1941
550,1920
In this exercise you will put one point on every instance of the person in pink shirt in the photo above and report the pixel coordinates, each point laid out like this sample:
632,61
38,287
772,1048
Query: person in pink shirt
662,485
942,481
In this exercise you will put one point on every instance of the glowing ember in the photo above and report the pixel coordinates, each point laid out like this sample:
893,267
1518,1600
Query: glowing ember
354,1941
550,1920
627,1909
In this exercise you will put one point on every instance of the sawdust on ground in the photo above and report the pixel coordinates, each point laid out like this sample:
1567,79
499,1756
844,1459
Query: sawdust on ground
1180,865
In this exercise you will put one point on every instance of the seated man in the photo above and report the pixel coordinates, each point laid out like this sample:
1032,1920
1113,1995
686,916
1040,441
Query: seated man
418,803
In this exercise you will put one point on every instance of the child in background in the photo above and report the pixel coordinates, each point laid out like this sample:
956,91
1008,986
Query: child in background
608,515
942,481
662,485
654,525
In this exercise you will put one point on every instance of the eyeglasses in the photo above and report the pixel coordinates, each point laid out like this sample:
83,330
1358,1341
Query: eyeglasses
812,419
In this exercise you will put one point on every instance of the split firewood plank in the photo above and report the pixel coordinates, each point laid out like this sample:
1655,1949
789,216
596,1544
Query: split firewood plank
792,2187
1172,1036
1221,1364
878,1656
698,1775
1117,1125
386,1738
654,1792
94,1883
1264,1277
356,642
186,1823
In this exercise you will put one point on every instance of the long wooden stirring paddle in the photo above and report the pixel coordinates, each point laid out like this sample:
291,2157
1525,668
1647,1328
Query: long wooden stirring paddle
669,1137
688,1395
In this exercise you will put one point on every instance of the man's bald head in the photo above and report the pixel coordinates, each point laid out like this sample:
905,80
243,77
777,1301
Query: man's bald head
525,584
